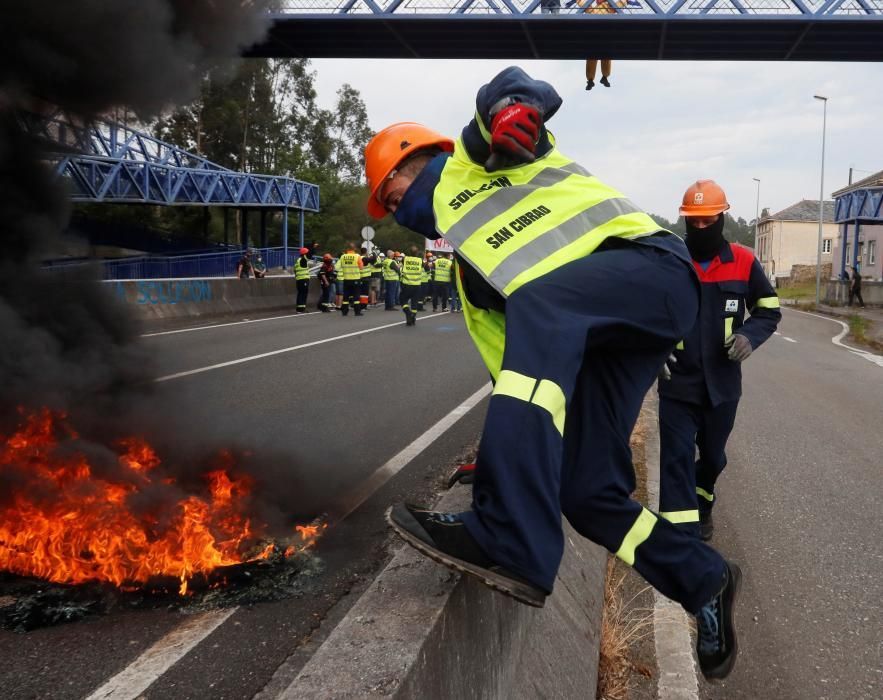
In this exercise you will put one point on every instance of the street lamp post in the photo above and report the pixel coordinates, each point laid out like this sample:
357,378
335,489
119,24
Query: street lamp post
821,200
756,216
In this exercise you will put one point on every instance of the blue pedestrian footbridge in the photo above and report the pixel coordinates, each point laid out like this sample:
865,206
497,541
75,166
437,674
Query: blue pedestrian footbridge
732,30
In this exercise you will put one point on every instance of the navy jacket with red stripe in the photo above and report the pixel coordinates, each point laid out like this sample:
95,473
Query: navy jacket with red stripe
733,284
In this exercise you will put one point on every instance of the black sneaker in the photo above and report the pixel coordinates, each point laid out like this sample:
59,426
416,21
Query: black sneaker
716,644
706,525
604,82
444,538
590,84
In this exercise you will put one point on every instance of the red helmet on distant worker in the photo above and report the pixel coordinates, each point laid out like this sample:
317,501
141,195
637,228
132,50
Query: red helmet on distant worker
304,251
326,257
390,147
704,198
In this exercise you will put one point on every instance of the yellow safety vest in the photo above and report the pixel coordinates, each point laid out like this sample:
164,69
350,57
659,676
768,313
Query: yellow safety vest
412,270
349,264
424,276
389,273
443,270
301,272
366,270
516,225
377,267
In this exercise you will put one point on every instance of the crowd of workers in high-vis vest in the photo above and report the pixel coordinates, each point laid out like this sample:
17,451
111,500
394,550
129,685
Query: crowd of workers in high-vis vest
359,280
578,303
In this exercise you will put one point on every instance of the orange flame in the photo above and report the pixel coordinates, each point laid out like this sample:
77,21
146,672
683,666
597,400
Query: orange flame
71,523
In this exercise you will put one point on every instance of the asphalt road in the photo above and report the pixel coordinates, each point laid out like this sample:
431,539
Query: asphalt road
801,509
334,412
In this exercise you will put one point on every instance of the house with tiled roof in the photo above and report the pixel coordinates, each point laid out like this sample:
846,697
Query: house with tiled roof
790,237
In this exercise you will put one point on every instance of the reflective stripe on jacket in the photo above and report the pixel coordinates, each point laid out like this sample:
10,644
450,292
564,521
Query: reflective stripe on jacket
732,284
515,225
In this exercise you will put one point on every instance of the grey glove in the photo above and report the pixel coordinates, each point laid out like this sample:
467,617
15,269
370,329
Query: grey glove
738,347
665,372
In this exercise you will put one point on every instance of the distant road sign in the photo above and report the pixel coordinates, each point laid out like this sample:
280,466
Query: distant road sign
367,233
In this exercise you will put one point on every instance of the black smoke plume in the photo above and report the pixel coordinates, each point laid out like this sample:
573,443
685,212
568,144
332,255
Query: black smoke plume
67,345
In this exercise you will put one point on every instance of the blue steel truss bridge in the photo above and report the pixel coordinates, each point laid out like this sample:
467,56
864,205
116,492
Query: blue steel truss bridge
733,30
108,163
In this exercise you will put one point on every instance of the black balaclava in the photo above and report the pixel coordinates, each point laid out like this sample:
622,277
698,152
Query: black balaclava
705,243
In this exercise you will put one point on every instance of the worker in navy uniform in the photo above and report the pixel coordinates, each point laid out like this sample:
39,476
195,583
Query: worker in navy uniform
574,298
698,403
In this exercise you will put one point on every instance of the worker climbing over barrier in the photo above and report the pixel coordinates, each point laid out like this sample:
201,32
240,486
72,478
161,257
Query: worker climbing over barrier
574,298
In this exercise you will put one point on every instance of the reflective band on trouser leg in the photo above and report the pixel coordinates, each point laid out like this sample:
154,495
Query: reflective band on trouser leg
702,492
518,386
681,516
550,396
638,533
767,303
728,327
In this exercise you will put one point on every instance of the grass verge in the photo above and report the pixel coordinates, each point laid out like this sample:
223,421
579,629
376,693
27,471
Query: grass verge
799,292
625,624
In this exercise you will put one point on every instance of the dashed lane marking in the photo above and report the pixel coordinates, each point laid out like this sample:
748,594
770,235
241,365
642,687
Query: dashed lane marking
837,339
224,325
160,657
250,358
368,487
784,337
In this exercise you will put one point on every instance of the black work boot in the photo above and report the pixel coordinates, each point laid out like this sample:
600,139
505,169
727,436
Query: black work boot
443,537
706,525
716,645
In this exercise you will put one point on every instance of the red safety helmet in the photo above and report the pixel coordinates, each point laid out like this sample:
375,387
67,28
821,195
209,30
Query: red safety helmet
304,251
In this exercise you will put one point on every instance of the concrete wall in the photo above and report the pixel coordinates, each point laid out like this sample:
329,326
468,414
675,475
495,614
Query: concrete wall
421,631
154,300
837,293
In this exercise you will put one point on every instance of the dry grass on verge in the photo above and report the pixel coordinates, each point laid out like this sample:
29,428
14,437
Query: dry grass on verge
622,627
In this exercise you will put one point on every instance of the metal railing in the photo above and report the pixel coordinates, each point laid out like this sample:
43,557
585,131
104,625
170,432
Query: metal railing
592,8
181,266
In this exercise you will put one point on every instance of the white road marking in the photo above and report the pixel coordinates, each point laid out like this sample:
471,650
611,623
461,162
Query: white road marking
671,626
784,337
367,488
250,358
224,325
869,356
160,657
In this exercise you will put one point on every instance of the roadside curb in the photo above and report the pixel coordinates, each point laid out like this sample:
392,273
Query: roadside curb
420,630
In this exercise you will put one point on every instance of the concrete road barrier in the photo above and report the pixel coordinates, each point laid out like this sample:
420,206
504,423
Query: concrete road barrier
153,300
420,630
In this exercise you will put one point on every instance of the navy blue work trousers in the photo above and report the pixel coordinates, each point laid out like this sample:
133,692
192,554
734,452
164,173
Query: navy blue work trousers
686,484
410,298
584,344
392,294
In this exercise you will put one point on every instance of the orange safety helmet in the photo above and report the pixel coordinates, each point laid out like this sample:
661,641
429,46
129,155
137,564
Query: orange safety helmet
704,198
390,147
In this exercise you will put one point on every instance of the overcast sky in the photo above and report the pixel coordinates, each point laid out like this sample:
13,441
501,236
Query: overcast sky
663,124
